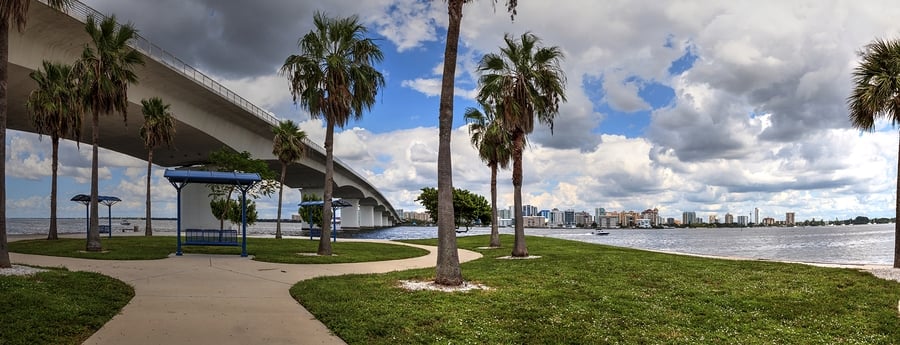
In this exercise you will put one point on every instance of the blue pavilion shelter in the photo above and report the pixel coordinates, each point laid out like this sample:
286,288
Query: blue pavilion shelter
243,181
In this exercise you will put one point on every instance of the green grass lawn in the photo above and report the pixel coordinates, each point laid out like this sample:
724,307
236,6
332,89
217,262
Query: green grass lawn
263,249
580,293
58,306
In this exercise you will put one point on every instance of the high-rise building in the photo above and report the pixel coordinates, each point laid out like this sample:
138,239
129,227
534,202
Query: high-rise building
599,212
688,218
569,217
583,218
528,210
789,218
713,219
652,215
742,220
557,218
608,221
504,213
756,216
729,218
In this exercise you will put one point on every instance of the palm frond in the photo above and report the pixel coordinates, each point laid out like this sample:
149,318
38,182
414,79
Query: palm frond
876,85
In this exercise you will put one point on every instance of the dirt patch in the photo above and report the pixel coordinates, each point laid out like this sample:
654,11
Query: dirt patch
509,257
19,270
413,285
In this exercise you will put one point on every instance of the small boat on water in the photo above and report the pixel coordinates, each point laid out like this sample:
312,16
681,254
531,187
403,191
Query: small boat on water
125,222
601,233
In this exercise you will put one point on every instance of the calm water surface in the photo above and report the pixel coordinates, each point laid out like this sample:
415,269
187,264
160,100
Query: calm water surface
860,244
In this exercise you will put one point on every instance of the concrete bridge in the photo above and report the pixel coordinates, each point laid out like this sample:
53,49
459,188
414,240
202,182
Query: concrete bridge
209,116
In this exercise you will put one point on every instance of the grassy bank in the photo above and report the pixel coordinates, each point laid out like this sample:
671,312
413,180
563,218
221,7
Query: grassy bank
58,306
263,249
581,293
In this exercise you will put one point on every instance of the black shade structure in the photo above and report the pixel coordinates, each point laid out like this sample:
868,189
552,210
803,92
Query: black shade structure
103,199
243,181
335,204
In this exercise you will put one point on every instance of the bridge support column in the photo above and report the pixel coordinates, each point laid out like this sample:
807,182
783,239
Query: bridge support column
366,217
350,215
195,208
379,219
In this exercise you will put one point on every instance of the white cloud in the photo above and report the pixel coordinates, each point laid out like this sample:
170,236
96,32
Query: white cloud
623,95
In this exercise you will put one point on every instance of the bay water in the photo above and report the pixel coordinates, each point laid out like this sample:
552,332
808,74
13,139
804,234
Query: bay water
854,245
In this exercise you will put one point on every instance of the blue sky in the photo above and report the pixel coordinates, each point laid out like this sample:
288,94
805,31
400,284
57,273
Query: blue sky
689,106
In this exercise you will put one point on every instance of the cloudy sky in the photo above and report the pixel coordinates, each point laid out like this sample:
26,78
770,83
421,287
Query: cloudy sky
704,106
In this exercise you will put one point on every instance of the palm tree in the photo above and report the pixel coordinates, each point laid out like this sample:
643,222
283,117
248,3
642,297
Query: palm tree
493,144
56,111
12,12
447,270
288,147
105,71
524,81
158,129
333,78
875,95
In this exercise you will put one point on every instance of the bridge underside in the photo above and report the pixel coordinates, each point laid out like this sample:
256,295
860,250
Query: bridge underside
205,121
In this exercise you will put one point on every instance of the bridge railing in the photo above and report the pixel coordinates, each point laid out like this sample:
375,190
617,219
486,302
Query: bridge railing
81,11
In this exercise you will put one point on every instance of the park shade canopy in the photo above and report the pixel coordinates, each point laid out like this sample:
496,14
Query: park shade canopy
335,204
243,181
108,201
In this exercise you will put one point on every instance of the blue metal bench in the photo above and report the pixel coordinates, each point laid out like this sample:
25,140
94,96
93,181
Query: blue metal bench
208,237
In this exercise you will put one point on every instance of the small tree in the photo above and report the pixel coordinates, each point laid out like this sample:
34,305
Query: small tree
467,206
315,212
230,210
229,160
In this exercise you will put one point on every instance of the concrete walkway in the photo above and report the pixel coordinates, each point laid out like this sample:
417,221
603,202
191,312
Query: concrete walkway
218,299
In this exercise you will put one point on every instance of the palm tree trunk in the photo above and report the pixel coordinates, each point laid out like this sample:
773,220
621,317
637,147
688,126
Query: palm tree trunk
325,238
897,215
519,247
93,241
54,167
447,270
280,196
148,224
495,228
4,79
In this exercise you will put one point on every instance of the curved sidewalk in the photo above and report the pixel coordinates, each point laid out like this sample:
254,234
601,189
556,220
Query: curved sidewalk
219,299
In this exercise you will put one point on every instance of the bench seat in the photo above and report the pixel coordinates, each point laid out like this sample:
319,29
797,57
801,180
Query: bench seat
211,237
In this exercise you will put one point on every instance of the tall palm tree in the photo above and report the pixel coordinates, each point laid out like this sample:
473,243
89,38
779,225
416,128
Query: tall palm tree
333,77
105,71
288,147
493,144
158,129
12,12
875,95
56,111
447,270
523,82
